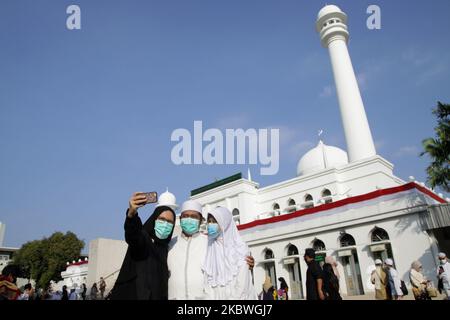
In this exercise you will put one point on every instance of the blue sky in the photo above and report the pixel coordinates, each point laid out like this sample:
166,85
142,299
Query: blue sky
86,115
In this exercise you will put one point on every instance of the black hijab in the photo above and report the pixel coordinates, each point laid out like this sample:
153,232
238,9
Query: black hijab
144,274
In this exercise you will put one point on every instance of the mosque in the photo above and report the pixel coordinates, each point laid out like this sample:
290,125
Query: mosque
345,204
348,205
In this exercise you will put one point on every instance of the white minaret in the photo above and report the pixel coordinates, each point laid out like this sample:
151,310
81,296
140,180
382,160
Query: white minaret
332,26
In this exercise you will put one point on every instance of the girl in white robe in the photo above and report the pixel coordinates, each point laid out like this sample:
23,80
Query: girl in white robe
227,276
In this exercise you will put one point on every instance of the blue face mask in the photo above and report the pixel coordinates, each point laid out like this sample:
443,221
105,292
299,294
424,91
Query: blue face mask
213,230
163,229
190,225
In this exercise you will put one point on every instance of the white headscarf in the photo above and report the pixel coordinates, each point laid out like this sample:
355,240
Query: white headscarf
226,254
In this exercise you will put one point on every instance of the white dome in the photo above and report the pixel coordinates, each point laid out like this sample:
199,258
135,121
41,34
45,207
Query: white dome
320,158
167,199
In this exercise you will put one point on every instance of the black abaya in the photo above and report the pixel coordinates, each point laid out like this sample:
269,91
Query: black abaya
144,274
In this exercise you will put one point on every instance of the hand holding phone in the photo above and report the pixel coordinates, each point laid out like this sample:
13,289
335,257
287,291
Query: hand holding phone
140,199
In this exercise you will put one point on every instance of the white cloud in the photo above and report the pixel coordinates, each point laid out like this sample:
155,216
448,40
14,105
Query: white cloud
407,151
426,65
327,91
416,58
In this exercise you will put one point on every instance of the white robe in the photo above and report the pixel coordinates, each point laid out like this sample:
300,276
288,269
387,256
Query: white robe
395,282
445,276
227,276
240,288
185,259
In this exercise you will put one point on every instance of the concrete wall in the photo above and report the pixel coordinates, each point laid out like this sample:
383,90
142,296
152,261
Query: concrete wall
105,259
2,233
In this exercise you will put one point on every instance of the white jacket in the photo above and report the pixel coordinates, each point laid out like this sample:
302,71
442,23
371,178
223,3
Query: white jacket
445,276
395,282
185,260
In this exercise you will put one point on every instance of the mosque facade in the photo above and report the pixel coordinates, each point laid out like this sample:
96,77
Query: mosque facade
344,204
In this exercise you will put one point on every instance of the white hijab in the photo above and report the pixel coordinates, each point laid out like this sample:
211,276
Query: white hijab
226,254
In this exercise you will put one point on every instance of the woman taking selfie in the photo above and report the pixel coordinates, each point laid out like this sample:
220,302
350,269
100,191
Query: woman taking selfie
144,274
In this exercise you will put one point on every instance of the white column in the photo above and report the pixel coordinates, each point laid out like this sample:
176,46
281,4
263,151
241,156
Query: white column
354,120
332,26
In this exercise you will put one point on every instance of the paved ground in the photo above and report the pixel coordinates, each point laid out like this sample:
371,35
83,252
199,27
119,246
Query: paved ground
371,297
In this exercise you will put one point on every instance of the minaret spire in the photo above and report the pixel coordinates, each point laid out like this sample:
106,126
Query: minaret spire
332,26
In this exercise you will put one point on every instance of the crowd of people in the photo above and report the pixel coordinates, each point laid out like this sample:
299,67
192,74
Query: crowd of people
322,282
10,291
216,265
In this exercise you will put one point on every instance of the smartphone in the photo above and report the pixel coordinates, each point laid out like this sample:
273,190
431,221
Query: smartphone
152,197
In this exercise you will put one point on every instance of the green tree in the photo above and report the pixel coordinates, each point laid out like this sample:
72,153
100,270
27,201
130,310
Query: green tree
44,260
438,149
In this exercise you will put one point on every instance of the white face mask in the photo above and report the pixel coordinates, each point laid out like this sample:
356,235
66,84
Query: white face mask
443,261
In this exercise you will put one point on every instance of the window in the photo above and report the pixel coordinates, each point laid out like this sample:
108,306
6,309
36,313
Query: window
276,208
326,196
347,240
309,201
268,254
318,245
236,216
291,206
379,234
292,250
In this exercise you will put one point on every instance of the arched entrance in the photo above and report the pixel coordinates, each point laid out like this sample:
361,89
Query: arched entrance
269,266
292,262
321,251
350,263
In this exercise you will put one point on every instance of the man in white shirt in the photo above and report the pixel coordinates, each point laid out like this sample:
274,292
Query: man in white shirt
186,255
443,273
394,280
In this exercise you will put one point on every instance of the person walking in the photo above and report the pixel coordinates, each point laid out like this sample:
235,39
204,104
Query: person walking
418,281
94,292
83,291
330,283
380,279
283,291
65,294
268,289
443,273
314,277
394,280
102,285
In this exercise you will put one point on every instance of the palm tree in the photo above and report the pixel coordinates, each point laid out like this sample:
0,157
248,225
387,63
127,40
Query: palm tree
438,149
